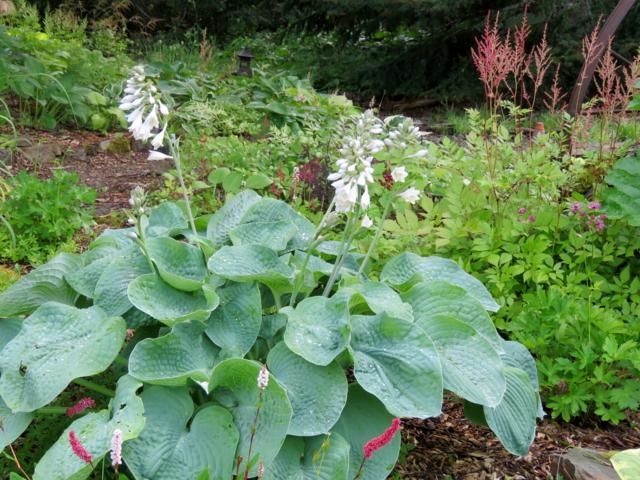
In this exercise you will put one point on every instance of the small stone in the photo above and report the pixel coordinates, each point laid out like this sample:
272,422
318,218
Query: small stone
119,144
584,464
80,154
104,145
45,152
139,146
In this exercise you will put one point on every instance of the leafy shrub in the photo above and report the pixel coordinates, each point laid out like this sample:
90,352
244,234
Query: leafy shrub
214,312
44,214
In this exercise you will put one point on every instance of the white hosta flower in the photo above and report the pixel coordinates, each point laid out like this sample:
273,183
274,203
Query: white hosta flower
419,154
263,378
366,222
155,155
399,174
158,140
411,195
376,145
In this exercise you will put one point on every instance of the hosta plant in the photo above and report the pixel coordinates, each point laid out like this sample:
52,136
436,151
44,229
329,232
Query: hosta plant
236,361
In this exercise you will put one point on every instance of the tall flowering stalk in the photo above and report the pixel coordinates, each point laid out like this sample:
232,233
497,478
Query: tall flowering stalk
377,443
116,451
263,383
148,119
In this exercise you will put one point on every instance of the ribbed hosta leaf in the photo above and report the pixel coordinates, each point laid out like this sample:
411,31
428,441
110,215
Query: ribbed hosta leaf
13,424
168,305
44,284
94,431
166,220
235,324
85,279
179,264
516,355
185,353
250,263
234,385
513,420
318,329
306,459
471,367
364,418
111,290
441,298
267,223
408,268
56,344
317,394
398,363
168,449
9,328
627,464
229,215
380,298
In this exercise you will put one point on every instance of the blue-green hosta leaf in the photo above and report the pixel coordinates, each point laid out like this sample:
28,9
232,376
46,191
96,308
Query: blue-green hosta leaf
56,344
179,264
316,458
622,198
248,263
627,464
317,394
150,294
85,279
137,318
267,223
318,329
513,420
229,215
516,355
95,431
234,385
441,298
9,328
471,367
364,418
380,298
13,424
409,268
398,363
44,284
168,450
111,290
235,324
167,220
306,231
185,353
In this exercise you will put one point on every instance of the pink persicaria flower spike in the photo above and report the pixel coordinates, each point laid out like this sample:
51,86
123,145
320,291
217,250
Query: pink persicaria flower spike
263,378
78,449
380,441
116,448
81,406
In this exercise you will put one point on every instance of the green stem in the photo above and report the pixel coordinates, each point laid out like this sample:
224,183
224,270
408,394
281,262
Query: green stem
94,386
359,472
175,153
120,360
300,275
52,411
376,238
344,248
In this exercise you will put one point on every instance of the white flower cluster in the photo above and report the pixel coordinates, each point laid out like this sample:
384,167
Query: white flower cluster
402,132
147,113
263,378
116,448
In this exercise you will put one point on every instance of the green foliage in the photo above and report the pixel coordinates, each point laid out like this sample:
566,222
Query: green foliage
213,306
627,464
44,214
622,198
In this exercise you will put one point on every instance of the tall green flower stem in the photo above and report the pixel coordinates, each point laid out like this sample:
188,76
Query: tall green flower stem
95,387
254,427
376,237
347,239
174,147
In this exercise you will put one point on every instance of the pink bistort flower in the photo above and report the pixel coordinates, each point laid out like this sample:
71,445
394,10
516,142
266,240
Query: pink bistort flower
380,441
78,449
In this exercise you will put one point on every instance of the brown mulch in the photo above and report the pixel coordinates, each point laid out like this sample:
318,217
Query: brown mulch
451,447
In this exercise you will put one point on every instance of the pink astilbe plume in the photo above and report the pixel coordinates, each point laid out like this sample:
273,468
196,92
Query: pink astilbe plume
607,82
520,59
542,61
81,406
554,98
381,440
78,449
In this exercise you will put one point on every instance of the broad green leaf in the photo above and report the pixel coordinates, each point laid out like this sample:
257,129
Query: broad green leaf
627,464
56,344
248,263
179,264
317,394
409,268
471,367
137,318
513,420
306,231
85,279
621,199
316,458
398,363
272,325
216,176
235,324
267,223
44,284
318,329
234,385
379,297
13,424
441,298
258,181
111,290
229,215
154,297
95,430
516,355
185,353
363,419
169,450
9,328
232,182
166,219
